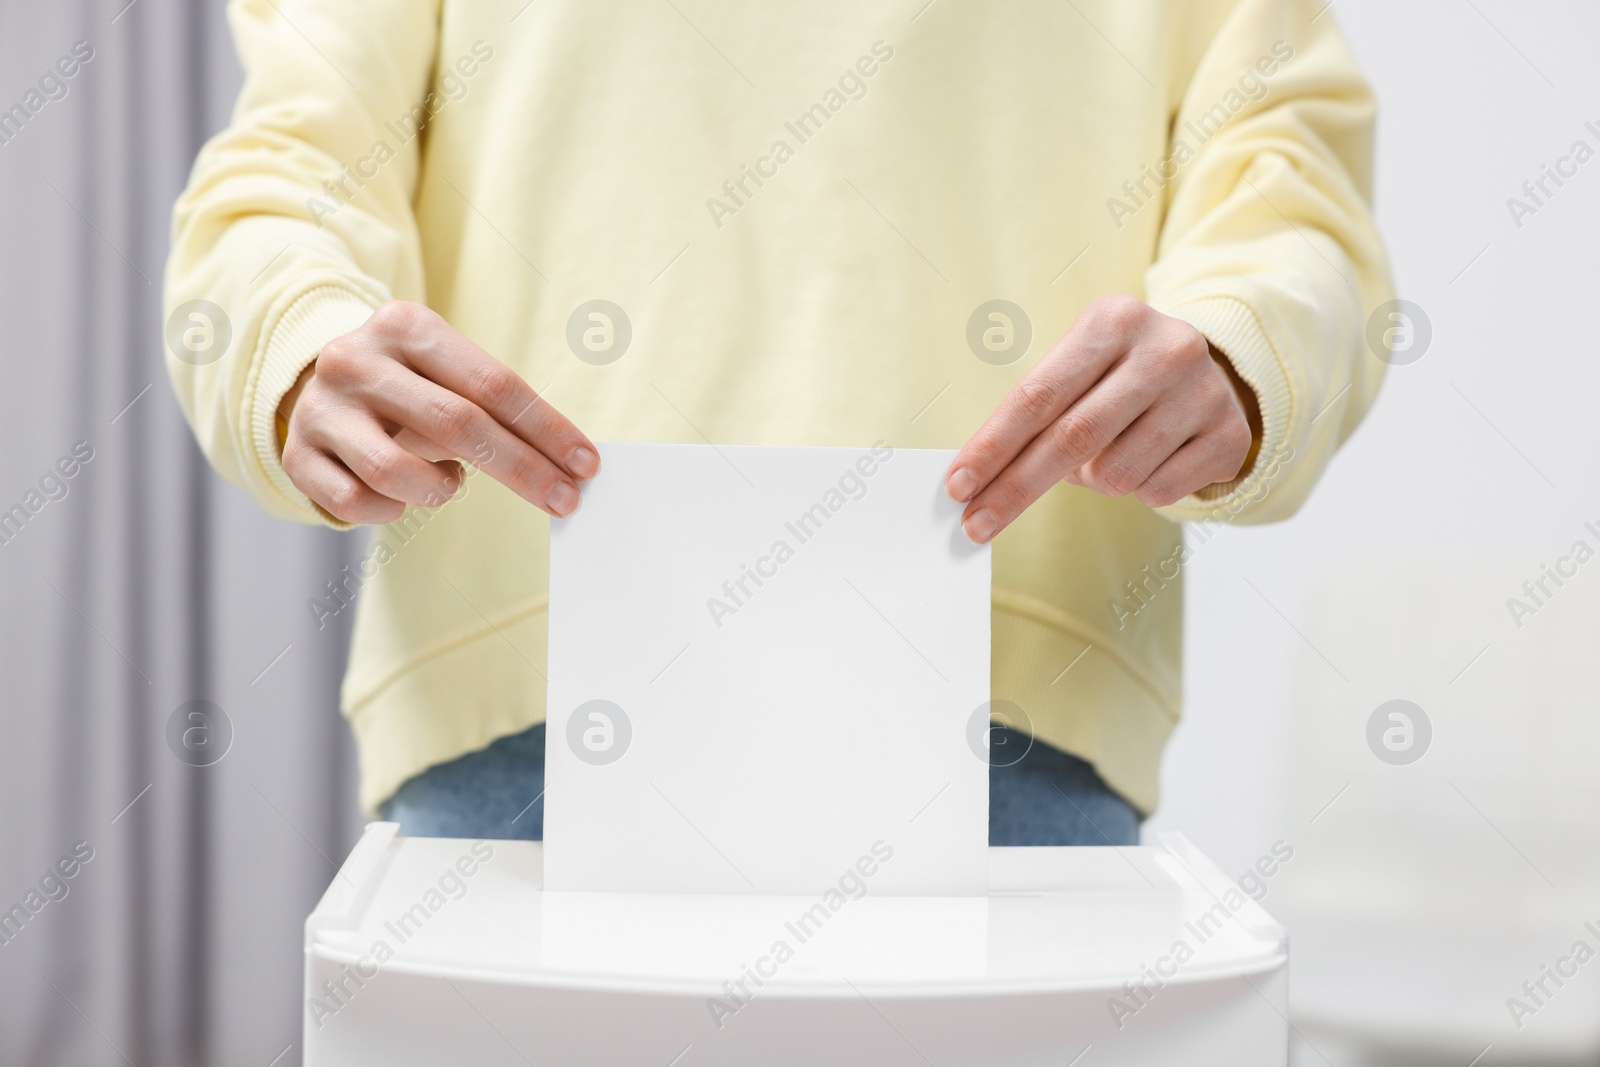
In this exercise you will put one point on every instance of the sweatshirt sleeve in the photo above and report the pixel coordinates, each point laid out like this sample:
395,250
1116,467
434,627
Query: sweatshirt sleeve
297,219
1268,245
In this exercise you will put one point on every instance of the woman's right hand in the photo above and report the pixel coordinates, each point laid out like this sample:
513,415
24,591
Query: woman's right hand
378,421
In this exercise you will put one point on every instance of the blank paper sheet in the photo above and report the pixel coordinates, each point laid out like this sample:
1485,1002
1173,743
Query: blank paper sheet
764,667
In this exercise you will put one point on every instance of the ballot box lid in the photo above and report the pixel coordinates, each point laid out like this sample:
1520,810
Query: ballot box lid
1054,919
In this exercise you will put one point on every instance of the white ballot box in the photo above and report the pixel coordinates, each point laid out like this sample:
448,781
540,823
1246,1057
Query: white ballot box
433,951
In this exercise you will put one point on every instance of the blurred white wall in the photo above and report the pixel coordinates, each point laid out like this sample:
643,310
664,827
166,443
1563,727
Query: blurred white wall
1479,454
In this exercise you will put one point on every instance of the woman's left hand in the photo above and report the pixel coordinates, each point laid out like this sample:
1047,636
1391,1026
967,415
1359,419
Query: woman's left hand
1129,401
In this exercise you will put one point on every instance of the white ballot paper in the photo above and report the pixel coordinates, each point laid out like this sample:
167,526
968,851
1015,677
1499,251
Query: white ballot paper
768,673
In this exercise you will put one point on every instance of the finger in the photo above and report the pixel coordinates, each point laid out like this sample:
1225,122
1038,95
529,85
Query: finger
360,444
450,360
1129,461
455,426
332,486
418,445
1054,454
1202,461
1078,361
463,429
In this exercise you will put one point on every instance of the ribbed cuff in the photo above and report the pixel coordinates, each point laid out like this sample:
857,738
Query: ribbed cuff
1230,325
313,320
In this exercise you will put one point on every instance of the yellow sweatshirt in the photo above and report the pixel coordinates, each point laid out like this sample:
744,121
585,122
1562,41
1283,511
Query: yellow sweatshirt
800,216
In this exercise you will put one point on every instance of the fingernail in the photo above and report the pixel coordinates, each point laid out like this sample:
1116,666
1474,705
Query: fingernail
563,500
980,526
961,485
583,462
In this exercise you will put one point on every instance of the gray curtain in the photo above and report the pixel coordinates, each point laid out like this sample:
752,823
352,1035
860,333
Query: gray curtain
137,585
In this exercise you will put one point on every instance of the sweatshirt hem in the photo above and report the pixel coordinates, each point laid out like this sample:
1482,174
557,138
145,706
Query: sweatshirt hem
372,690
1078,692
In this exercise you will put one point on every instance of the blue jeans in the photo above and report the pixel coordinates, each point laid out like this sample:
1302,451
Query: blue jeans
1047,797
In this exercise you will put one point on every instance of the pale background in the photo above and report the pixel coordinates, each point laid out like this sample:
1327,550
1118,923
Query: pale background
1474,97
